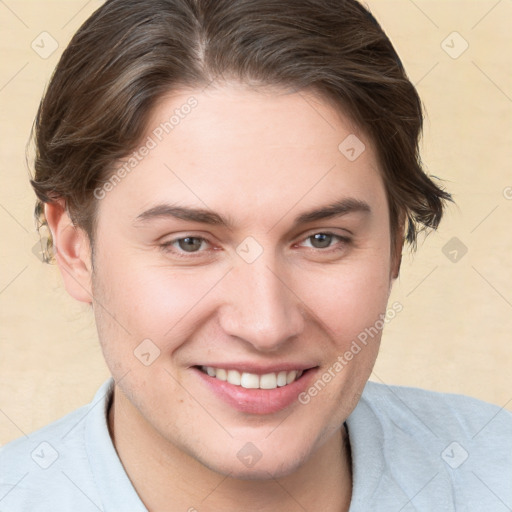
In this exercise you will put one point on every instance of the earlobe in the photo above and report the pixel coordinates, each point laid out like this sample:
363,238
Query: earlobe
397,254
72,251
396,266
396,260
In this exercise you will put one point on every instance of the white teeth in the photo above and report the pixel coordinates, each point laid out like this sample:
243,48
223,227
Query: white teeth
281,379
290,377
253,381
268,381
234,377
250,381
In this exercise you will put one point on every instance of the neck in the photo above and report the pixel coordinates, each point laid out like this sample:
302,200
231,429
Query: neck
166,478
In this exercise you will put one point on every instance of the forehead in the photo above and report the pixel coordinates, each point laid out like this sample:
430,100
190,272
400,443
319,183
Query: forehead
232,146
237,116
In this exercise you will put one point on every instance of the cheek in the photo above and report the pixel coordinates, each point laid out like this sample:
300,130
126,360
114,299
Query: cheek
138,301
348,305
349,299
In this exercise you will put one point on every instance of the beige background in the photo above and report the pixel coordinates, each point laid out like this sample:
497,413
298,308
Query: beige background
455,330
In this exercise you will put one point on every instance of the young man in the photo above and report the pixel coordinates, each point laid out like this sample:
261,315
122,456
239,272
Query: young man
229,185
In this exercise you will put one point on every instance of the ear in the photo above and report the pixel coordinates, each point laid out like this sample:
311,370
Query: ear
397,249
72,251
397,260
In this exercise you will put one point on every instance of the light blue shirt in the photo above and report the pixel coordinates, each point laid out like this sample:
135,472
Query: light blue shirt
412,450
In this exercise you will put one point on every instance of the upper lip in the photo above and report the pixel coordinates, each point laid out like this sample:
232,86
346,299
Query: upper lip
260,369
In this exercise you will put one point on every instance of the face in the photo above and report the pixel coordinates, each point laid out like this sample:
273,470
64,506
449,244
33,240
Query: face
243,245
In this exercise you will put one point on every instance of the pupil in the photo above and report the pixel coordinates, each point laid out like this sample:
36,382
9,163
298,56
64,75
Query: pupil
321,240
190,244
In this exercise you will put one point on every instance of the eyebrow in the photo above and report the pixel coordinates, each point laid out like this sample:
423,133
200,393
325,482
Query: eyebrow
337,209
203,216
200,215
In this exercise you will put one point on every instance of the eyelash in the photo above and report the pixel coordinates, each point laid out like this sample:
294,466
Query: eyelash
341,239
168,246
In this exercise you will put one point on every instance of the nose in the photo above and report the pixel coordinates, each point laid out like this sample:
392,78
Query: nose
261,308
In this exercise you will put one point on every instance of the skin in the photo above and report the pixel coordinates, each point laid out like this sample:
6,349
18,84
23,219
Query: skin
259,159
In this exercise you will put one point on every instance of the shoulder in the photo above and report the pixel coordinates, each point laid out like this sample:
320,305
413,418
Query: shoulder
48,469
457,450
442,413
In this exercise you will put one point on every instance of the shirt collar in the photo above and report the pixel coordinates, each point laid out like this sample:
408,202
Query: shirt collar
114,487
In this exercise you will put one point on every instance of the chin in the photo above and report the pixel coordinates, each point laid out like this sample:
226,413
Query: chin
246,462
263,470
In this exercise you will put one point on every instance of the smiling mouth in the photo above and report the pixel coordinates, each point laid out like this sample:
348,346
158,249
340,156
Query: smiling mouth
252,380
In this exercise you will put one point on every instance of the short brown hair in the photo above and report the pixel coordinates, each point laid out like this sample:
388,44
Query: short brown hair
129,53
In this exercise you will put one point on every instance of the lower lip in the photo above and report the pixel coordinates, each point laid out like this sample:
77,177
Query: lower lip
257,401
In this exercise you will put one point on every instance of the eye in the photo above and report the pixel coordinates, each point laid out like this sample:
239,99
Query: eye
324,240
321,240
189,244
